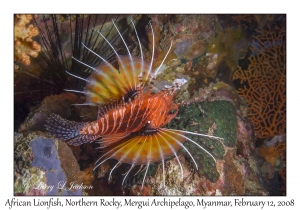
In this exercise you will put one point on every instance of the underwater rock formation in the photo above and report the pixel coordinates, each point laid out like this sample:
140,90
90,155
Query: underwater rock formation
60,104
44,166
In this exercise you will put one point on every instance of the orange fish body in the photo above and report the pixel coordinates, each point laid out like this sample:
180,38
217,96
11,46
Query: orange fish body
152,110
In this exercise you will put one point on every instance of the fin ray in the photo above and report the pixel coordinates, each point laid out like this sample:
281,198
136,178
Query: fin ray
82,139
143,150
68,131
62,128
108,140
106,84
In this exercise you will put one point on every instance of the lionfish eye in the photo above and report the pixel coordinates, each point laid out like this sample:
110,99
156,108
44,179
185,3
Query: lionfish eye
172,111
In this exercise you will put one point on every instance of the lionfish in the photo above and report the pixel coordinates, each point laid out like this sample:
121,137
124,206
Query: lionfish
129,125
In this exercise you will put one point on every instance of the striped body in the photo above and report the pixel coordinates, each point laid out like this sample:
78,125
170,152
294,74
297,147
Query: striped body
151,110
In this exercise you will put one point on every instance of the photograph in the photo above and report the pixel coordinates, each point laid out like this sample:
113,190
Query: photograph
149,104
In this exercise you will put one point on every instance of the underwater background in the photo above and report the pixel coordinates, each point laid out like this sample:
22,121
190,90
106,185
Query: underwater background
235,66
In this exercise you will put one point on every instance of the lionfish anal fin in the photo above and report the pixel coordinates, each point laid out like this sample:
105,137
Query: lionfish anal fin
143,150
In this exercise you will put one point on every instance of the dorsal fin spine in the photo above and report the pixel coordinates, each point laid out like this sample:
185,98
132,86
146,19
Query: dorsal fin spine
105,61
123,40
76,76
76,91
155,73
119,59
129,54
84,63
140,76
153,48
96,55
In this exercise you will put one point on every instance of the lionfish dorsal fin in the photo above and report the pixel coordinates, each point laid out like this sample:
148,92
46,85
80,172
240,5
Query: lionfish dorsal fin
107,85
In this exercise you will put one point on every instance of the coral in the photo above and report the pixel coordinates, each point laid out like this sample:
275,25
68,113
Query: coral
234,172
182,47
190,35
236,178
24,45
264,83
89,175
248,18
230,45
25,176
213,92
274,154
208,118
267,170
282,174
138,190
69,165
43,166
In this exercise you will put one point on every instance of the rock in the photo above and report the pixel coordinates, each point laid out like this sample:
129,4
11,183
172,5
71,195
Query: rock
59,104
45,166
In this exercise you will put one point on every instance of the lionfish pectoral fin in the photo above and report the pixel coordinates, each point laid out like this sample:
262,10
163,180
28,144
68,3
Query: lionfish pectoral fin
108,140
107,86
146,149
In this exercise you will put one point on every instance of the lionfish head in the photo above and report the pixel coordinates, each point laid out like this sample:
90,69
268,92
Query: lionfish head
171,109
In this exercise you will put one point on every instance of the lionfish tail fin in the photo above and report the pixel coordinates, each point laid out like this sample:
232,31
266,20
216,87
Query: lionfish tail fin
66,130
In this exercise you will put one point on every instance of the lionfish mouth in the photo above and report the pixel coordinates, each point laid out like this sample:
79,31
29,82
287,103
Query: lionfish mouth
124,102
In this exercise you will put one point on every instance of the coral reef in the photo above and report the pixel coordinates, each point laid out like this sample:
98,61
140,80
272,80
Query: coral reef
260,20
44,166
208,118
230,45
25,47
202,49
60,104
190,35
263,83
237,177
274,153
